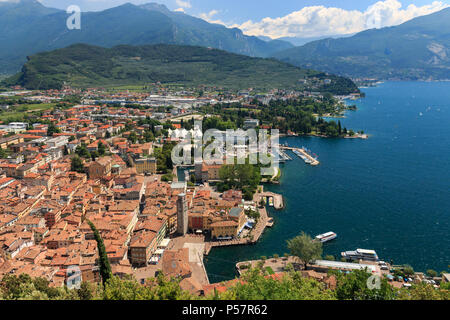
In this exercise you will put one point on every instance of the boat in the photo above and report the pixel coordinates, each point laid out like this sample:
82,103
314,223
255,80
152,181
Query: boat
326,237
271,201
360,254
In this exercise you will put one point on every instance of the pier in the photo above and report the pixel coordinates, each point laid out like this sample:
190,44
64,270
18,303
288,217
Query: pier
301,152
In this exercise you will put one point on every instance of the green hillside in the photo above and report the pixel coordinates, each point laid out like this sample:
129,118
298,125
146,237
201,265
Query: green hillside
91,66
417,49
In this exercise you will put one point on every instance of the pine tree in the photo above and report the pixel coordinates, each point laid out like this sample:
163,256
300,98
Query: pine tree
105,267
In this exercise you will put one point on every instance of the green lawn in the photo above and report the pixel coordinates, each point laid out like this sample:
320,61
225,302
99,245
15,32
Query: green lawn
17,113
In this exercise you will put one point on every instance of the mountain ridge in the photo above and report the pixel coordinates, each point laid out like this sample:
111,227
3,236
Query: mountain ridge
45,29
418,49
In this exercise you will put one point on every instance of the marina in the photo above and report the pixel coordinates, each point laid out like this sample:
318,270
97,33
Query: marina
304,154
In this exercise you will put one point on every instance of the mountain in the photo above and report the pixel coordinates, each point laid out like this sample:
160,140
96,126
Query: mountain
84,65
299,41
198,32
417,49
28,27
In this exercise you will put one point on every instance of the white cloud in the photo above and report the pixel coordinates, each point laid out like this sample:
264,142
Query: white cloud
317,21
210,17
183,4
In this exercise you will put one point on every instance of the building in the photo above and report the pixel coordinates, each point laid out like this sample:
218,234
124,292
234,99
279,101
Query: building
6,142
147,166
446,278
210,172
15,127
238,215
57,142
142,246
156,224
224,229
100,168
251,124
182,215
232,195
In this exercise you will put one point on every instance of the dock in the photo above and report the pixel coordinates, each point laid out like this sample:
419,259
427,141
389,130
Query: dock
277,199
264,222
302,153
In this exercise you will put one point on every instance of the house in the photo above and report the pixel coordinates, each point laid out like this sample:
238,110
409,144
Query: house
238,215
224,229
100,168
445,277
147,166
6,142
251,124
142,246
209,172
232,195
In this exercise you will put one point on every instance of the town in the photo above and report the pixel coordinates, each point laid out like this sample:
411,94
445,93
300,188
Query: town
104,158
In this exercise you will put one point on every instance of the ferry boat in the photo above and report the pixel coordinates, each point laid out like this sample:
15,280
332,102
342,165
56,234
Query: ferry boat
360,254
326,237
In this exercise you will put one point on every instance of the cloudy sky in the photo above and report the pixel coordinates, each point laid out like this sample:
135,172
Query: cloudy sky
287,18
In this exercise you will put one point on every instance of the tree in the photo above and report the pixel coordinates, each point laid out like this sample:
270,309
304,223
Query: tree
85,292
77,164
52,129
101,149
132,137
408,270
105,267
304,248
330,258
292,286
353,286
83,151
423,291
3,153
94,155
432,273
159,288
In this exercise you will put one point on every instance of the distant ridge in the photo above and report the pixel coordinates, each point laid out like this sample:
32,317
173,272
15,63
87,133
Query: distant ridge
416,50
28,27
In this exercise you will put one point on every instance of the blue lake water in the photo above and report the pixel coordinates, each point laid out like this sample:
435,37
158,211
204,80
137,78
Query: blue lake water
390,193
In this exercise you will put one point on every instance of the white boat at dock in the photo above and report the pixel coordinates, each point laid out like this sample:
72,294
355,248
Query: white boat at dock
360,254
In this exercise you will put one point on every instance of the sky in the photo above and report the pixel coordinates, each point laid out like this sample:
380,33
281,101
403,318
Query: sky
286,18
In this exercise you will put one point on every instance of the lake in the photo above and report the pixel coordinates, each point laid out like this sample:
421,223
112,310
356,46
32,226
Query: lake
390,193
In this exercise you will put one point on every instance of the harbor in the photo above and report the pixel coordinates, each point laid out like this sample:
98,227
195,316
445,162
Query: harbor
303,154
255,234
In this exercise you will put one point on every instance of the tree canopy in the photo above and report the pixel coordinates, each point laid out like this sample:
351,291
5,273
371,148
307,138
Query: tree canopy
305,248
